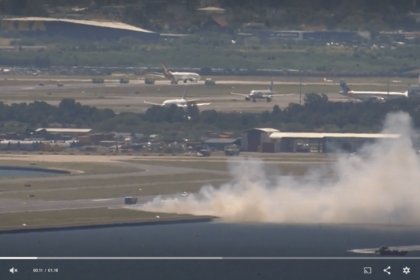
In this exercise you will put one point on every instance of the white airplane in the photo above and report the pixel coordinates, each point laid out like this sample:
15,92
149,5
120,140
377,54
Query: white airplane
183,102
267,94
379,96
177,76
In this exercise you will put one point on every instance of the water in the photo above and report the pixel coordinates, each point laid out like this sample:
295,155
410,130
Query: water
214,239
23,173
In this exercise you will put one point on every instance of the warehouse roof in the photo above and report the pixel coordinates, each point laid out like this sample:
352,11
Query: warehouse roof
65,130
221,140
267,130
108,24
278,135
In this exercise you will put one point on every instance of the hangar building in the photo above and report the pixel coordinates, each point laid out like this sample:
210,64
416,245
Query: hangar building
258,139
89,29
324,142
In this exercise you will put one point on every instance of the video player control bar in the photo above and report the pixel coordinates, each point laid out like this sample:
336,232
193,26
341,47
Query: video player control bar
208,258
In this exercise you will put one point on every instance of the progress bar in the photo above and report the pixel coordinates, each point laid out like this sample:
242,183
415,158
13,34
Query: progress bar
209,258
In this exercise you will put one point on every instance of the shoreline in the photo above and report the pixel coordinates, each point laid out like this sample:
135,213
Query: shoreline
127,223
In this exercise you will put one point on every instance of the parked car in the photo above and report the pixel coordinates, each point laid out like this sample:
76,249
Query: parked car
202,150
232,150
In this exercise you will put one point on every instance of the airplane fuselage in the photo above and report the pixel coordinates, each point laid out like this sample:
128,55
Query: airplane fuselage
374,95
260,94
184,76
179,76
178,102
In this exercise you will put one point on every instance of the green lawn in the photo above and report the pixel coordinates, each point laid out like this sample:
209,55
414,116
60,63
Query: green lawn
111,192
103,182
296,167
87,168
79,217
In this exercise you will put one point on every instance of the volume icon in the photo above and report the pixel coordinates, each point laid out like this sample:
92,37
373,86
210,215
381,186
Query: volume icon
13,270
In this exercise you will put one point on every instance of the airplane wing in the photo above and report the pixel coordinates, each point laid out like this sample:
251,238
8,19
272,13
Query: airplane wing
196,104
281,95
151,103
239,94
351,98
156,75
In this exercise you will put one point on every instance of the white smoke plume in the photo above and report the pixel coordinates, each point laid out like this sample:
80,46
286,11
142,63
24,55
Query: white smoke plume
383,188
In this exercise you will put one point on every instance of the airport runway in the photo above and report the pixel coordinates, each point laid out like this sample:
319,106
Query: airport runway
114,82
135,103
25,205
13,206
130,97
87,84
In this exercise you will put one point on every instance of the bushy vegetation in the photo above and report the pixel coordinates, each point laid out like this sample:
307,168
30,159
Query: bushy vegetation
316,114
218,51
338,14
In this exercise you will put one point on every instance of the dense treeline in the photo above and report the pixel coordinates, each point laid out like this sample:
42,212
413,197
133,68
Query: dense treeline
370,15
316,114
330,5
21,6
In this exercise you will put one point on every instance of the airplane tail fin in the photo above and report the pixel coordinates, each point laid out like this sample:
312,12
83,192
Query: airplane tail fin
344,87
165,71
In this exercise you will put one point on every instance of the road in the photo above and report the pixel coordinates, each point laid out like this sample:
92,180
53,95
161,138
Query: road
87,84
68,82
13,206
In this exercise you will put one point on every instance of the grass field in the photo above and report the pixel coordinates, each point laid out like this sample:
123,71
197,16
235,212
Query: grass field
78,217
111,192
103,182
251,53
217,90
296,168
58,189
87,168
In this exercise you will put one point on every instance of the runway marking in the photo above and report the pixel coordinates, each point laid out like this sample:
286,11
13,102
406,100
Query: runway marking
98,200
